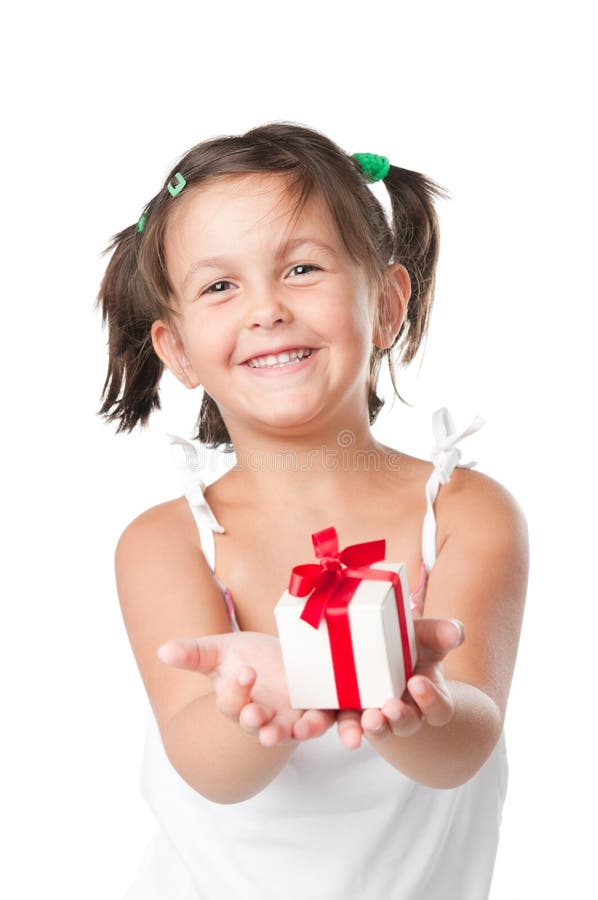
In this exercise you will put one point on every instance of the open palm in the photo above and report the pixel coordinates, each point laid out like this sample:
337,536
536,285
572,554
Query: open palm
250,684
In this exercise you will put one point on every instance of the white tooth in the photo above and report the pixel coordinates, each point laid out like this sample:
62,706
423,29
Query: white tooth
279,359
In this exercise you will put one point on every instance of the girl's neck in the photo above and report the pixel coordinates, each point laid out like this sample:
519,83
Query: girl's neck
302,473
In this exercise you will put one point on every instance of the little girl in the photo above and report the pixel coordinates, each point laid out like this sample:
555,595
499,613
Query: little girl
265,270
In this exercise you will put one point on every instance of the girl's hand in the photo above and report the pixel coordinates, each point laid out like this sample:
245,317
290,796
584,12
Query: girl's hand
250,684
426,696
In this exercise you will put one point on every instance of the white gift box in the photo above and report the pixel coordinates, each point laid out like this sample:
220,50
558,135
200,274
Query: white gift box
376,640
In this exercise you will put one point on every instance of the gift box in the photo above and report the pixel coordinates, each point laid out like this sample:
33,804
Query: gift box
345,627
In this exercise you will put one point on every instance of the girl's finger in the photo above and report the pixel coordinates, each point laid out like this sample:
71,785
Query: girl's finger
348,723
198,654
395,718
373,723
313,723
235,693
437,637
279,730
434,701
253,717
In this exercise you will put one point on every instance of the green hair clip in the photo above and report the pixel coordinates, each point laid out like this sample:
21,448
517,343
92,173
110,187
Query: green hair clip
174,189
175,186
374,167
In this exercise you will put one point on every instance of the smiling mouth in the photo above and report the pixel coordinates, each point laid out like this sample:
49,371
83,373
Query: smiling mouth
279,360
278,369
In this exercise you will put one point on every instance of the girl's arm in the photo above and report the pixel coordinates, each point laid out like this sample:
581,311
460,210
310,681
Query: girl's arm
166,590
480,577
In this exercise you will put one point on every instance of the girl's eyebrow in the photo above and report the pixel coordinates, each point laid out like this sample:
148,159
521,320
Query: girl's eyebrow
215,262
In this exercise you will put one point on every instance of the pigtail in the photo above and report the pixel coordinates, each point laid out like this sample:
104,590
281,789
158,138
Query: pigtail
416,241
134,367
211,429
413,242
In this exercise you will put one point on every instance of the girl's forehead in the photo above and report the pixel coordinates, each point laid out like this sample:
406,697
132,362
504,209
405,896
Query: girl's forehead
246,204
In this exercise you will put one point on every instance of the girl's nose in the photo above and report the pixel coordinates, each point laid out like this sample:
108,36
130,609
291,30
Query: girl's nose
266,311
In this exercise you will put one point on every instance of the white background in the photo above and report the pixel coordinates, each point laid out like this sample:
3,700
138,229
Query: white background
493,100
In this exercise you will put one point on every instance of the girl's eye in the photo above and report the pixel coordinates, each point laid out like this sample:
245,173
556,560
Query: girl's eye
213,288
305,266
215,285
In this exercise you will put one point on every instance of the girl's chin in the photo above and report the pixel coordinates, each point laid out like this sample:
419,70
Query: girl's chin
289,422
272,419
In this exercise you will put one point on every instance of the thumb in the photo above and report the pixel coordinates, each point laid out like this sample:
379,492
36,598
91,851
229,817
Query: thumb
197,654
436,637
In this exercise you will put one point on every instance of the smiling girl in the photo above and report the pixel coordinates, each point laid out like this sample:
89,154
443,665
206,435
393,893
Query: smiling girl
265,272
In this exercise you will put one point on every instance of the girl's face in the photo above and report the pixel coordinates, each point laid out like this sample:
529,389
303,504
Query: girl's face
248,288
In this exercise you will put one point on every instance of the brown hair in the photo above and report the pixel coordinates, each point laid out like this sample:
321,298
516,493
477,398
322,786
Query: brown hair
136,290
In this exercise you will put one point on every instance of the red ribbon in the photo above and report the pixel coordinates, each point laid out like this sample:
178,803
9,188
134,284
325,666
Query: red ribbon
332,584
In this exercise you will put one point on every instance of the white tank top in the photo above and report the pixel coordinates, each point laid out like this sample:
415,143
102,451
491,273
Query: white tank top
334,824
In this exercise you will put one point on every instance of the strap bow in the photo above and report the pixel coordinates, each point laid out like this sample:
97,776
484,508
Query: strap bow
194,487
445,454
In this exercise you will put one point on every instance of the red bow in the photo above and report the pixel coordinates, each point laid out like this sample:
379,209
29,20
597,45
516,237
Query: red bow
332,569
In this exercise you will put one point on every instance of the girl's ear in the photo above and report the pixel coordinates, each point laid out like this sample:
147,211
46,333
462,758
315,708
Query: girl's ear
169,347
392,306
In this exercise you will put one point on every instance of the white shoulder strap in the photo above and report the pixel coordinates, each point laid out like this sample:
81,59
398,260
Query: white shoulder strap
193,489
445,456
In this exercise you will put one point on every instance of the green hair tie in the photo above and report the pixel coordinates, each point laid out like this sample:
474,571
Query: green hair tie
374,167
176,185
